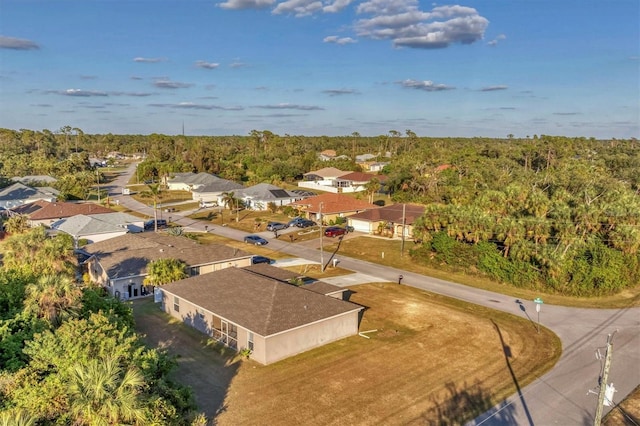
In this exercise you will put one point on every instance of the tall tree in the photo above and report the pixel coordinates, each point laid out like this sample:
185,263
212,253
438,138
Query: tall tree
164,271
53,298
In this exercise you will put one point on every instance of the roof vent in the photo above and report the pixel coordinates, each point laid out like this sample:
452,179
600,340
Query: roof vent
161,250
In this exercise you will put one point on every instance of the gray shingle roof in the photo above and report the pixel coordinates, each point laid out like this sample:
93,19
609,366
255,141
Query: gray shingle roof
81,225
129,254
262,305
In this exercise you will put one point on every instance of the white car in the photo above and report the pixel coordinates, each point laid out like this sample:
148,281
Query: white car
205,204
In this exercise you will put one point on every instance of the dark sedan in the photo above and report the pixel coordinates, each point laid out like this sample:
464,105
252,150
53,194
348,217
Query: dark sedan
260,259
255,239
305,223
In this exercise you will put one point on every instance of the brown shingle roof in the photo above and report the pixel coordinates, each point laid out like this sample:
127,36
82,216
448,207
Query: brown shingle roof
362,177
61,210
261,305
333,203
392,213
129,254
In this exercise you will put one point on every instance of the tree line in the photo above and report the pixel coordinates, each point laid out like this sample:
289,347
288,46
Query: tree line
553,213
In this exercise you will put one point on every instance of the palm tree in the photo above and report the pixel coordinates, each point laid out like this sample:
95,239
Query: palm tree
17,417
53,297
101,394
371,188
17,224
229,200
154,192
164,271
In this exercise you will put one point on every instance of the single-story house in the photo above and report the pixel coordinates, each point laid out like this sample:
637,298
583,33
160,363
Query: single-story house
35,179
269,318
289,277
259,196
215,191
18,194
99,227
46,213
120,264
387,220
329,206
187,181
204,187
327,155
376,166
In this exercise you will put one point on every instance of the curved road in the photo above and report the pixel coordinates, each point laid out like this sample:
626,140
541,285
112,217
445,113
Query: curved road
560,397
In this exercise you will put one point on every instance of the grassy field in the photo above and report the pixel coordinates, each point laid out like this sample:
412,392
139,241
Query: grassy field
425,359
428,359
372,249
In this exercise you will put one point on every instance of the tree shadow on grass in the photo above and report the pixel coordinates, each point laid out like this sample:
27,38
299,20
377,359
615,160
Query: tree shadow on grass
464,404
208,369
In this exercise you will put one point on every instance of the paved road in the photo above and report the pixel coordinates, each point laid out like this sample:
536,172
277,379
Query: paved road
560,397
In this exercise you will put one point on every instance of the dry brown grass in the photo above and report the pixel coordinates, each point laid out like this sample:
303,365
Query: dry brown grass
430,360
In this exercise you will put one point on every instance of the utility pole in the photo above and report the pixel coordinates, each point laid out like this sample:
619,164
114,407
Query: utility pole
603,381
98,181
404,220
321,241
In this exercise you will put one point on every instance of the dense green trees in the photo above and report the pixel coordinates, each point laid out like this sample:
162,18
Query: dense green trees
69,354
541,201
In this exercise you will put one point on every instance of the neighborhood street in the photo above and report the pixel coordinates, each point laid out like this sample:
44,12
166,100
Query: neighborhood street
563,396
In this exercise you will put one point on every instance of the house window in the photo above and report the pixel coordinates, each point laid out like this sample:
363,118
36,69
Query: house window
250,341
194,271
200,313
216,324
176,304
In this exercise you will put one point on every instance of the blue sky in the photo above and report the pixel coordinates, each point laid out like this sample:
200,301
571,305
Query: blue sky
322,67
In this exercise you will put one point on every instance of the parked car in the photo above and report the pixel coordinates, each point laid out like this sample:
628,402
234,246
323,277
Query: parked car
305,223
260,259
149,225
255,239
276,226
295,221
334,231
206,204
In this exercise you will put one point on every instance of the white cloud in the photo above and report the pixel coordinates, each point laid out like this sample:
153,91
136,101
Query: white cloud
426,85
246,4
338,92
148,60
298,8
207,65
336,6
168,84
80,93
17,43
192,105
402,22
291,106
494,88
496,40
339,40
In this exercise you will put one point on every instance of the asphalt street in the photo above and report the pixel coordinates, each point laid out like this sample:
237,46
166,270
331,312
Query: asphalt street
560,397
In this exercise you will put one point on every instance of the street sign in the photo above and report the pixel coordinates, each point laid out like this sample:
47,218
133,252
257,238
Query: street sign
538,303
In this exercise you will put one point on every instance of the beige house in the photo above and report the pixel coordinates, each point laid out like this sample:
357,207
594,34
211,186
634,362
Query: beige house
388,221
246,308
120,264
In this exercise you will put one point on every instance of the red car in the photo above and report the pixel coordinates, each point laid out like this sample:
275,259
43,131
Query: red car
334,231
